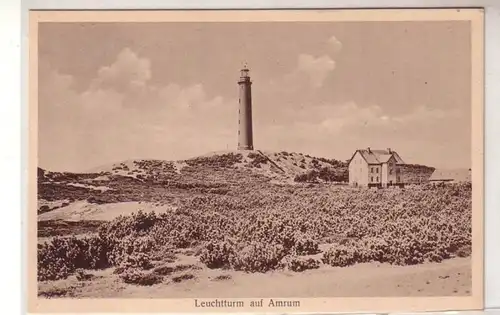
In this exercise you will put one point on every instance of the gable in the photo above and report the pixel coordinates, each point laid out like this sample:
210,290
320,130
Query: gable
357,153
391,159
399,160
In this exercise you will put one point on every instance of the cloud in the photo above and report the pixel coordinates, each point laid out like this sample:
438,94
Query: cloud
334,44
337,118
336,130
122,115
54,87
423,114
315,69
331,120
128,69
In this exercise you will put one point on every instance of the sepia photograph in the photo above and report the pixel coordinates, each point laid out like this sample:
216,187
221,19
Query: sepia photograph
257,160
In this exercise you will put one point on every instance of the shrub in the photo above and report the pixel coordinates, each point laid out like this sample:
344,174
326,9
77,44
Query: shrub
304,245
252,228
464,251
139,261
257,257
257,159
183,277
217,161
132,250
310,176
55,292
299,264
140,277
222,277
163,270
217,254
63,255
340,256
43,209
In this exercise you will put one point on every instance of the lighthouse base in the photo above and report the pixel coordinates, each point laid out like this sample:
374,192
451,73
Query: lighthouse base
245,147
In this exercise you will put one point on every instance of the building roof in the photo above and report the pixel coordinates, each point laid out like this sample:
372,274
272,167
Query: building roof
378,156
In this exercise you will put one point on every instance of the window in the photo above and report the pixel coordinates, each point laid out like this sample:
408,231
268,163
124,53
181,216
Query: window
238,132
390,171
372,171
377,171
398,179
377,179
372,179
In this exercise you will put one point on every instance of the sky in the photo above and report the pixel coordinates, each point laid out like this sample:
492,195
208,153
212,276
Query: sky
110,92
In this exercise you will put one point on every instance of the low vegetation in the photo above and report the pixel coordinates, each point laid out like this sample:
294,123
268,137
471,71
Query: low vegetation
258,227
416,174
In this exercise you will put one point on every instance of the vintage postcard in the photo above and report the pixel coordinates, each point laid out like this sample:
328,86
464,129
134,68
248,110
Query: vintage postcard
256,161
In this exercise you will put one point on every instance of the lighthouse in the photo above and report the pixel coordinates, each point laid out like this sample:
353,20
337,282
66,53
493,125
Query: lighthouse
245,136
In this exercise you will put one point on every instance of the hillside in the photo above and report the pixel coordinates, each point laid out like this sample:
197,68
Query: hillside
416,174
171,181
241,216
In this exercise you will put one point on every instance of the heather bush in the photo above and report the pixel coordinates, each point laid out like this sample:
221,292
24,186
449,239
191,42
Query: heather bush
217,254
163,270
131,248
140,277
138,223
299,264
257,159
217,161
140,261
304,245
341,256
56,292
183,277
222,278
464,251
257,257
64,255
252,229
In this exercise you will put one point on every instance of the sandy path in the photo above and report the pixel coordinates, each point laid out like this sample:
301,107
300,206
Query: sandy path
451,277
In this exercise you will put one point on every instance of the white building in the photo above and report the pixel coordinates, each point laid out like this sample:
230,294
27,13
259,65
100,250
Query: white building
375,168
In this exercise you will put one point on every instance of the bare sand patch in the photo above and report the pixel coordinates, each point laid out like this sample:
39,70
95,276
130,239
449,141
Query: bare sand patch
83,210
449,278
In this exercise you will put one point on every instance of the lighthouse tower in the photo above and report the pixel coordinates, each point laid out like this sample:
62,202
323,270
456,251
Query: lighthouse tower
245,137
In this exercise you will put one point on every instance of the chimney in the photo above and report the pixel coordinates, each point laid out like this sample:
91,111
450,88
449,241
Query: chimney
389,150
369,150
